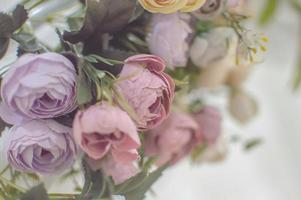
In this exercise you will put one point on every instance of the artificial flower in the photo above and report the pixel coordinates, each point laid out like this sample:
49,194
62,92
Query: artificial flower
209,120
168,38
109,137
173,140
193,5
165,6
147,89
40,146
38,87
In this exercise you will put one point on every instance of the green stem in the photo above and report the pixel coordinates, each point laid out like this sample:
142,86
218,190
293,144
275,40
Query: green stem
4,170
12,184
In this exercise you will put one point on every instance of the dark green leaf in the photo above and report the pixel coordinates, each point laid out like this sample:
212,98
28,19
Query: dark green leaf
4,42
268,12
36,193
19,16
252,143
103,16
95,184
9,24
140,184
6,25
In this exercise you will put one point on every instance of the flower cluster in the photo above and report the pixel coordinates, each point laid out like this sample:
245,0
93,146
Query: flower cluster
121,93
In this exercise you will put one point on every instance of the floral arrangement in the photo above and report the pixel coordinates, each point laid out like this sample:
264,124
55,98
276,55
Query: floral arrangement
123,95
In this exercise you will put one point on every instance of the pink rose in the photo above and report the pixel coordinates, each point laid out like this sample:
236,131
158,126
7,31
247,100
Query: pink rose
174,139
105,130
147,89
209,120
169,38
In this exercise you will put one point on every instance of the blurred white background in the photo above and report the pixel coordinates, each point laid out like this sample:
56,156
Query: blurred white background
272,171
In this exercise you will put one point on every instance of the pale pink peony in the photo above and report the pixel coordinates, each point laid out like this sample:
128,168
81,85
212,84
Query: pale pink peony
173,139
168,38
147,89
209,120
105,130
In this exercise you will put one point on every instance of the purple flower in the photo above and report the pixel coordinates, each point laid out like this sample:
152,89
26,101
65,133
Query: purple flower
38,87
40,146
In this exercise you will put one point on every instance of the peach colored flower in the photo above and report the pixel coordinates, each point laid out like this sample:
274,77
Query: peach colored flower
163,6
193,5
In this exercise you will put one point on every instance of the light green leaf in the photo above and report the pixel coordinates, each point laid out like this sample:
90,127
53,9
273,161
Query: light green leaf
141,185
252,143
84,94
268,11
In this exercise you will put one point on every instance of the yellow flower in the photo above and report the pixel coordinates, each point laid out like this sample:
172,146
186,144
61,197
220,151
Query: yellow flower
163,6
193,5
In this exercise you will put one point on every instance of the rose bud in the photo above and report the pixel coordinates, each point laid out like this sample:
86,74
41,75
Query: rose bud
239,74
147,89
109,137
210,9
209,120
242,106
38,87
172,140
215,52
40,146
168,38
165,7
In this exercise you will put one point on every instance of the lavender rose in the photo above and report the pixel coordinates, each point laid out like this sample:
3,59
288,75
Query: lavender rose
40,146
209,121
169,38
147,89
110,138
174,139
38,87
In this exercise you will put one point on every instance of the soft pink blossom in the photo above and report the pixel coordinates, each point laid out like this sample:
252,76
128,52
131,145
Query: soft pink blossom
174,139
106,132
168,38
209,120
147,89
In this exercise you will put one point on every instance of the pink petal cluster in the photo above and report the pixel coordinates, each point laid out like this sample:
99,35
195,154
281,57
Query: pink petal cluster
105,130
209,120
168,38
174,139
147,89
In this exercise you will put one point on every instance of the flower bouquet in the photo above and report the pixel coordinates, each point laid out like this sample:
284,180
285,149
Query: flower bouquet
121,94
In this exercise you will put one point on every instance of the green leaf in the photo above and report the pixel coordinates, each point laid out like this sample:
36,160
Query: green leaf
137,187
268,11
27,43
84,94
252,143
95,184
9,24
36,193
4,42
